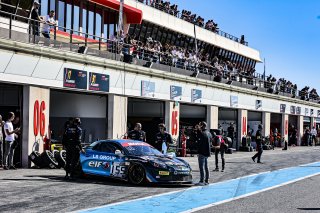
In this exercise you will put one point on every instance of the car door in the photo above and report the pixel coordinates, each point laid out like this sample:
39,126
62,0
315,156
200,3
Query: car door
119,166
99,159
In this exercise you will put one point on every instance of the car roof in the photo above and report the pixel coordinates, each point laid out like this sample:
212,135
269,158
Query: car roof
120,141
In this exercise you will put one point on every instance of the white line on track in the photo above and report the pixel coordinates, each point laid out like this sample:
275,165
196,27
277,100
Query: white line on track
249,194
214,204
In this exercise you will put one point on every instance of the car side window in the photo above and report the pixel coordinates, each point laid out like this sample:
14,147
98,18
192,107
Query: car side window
116,147
105,147
96,147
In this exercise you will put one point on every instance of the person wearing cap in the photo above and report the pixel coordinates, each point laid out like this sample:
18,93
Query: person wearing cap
163,139
204,151
35,24
259,145
137,134
72,144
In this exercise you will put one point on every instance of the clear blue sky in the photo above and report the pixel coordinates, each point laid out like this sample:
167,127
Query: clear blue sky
286,32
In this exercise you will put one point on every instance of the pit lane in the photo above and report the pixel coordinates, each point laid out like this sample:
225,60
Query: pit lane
35,190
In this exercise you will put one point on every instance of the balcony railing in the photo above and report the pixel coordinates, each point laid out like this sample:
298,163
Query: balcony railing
116,49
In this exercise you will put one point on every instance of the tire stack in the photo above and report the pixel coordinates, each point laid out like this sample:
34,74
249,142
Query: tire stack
47,159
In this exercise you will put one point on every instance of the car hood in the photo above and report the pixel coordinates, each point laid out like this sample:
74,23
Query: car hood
164,159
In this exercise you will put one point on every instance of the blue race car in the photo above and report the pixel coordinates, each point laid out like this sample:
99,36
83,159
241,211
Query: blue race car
133,161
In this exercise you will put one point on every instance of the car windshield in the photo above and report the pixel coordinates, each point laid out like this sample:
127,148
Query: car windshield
139,149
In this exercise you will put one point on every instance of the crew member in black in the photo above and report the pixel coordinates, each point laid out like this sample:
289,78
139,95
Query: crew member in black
35,24
259,145
72,144
137,134
162,137
230,131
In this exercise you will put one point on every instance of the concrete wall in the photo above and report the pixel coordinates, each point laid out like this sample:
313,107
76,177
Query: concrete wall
36,108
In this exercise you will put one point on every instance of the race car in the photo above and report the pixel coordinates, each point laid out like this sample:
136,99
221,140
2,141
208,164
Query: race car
133,161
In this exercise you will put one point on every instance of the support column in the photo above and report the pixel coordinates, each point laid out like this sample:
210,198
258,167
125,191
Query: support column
212,117
36,108
266,122
172,118
300,129
117,116
285,126
242,125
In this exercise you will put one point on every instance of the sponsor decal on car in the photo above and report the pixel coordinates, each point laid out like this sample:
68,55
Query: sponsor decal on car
135,144
164,173
104,157
118,170
95,164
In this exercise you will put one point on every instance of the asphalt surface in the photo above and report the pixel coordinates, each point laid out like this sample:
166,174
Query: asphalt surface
301,196
43,190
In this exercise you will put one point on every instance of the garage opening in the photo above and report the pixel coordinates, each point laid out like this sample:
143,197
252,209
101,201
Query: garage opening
147,112
91,109
190,115
254,120
228,118
11,101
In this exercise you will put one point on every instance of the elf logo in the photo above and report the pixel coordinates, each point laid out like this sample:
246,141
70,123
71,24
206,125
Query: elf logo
97,164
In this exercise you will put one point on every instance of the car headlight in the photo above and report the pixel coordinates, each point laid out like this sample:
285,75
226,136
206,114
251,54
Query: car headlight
159,164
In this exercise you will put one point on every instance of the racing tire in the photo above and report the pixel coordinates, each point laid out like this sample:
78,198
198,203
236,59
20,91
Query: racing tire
60,158
36,159
137,174
48,160
54,153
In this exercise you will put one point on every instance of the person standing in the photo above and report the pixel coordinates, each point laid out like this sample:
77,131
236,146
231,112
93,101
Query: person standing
313,135
221,129
231,131
36,19
293,137
1,141
163,139
49,22
204,151
275,137
259,145
137,134
72,144
9,142
219,147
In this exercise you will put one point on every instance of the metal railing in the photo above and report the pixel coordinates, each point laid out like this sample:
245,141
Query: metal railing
193,20
117,49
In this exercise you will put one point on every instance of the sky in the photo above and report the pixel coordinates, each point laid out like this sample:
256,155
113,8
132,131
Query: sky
285,32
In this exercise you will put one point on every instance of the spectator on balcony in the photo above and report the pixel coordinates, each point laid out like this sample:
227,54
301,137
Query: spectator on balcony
314,94
49,22
35,24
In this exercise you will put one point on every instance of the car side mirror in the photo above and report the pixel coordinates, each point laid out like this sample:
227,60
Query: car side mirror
118,153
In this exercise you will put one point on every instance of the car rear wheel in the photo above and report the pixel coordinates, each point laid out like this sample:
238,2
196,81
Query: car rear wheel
137,174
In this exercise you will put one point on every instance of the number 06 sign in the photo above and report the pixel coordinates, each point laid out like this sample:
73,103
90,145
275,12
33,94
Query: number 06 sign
39,118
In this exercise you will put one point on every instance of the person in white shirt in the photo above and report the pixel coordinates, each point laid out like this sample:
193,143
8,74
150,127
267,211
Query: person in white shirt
1,141
48,23
9,142
313,134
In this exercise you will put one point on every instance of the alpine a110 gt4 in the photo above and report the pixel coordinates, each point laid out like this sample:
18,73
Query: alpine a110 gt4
134,161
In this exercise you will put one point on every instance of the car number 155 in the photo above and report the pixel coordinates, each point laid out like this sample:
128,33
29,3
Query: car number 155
117,170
